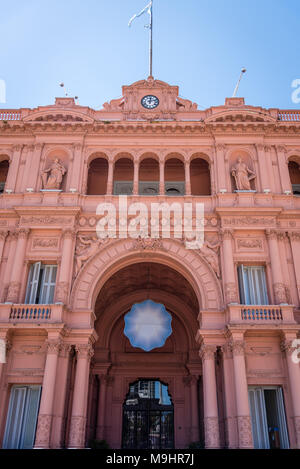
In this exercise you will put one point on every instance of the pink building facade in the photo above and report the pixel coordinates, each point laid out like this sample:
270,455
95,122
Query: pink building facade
230,365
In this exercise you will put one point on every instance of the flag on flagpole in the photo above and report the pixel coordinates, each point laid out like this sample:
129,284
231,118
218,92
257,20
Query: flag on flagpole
146,9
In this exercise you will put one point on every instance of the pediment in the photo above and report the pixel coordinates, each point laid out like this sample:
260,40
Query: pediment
240,115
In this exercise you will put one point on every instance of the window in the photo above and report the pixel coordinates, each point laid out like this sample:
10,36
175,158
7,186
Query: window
41,284
252,285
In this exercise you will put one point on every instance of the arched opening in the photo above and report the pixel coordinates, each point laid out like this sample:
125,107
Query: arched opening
174,177
119,367
294,172
200,177
148,416
149,177
97,177
4,167
123,177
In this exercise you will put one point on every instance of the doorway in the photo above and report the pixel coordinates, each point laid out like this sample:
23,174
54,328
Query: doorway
22,417
148,417
268,418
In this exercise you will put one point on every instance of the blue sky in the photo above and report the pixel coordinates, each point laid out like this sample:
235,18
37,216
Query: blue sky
200,45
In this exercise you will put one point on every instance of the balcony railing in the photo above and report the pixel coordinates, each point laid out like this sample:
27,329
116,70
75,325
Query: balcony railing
31,313
260,314
9,115
289,116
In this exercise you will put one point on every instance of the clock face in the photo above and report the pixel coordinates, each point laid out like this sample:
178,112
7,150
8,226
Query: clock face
150,101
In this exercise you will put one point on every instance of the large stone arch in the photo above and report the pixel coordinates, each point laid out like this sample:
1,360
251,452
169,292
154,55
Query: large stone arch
116,254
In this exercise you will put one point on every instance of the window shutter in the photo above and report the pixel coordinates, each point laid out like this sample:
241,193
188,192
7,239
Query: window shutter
30,417
48,284
14,422
241,284
33,281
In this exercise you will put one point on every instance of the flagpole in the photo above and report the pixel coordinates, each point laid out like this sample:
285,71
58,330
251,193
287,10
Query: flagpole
151,41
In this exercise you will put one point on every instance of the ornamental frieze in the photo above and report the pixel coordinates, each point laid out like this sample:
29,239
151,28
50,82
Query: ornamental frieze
46,220
45,243
245,244
244,221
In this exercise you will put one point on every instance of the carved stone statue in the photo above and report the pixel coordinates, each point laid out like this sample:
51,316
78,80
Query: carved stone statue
209,252
54,179
242,175
85,249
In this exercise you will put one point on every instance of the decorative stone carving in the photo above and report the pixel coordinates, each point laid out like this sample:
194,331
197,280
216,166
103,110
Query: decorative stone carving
244,221
45,243
77,432
3,235
62,291
231,293
242,175
43,431
210,253
227,350
250,243
207,352
84,350
211,429
280,293
86,248
238,347
245,432
45,220
54,179
294,235
53,346
287,347
13,292
186,105
147,244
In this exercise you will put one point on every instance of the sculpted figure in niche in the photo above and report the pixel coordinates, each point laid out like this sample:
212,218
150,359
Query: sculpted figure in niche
86,248
242,175
210,253
52,177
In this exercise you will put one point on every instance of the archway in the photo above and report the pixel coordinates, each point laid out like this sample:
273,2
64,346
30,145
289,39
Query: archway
117,364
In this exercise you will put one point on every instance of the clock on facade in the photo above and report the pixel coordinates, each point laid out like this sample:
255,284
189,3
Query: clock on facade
150,101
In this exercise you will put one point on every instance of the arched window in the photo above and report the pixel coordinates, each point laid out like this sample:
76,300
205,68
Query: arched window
149,177
174,177
123,177
294,171
97,177
200,177
4,166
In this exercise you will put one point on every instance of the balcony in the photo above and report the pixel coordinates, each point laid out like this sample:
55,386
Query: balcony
260,314
31,314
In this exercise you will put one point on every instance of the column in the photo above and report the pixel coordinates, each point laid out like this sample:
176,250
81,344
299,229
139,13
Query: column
12,240
110,177
13,168
220,157
230,287
58,424
241,395
211,416
101,406
278,284
162,190
76,163
63,284
43,433
283,168
80,395
3,236
17,268
5,346
26,167
294,237
188,190
230,412
269,166
136,167
292,359
263,169
195,409
32,181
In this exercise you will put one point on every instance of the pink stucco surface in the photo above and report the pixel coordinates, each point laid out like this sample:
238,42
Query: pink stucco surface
78,353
